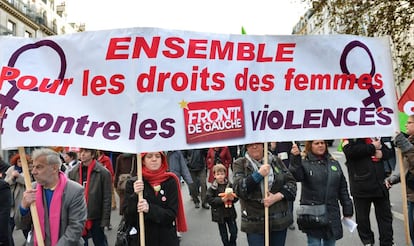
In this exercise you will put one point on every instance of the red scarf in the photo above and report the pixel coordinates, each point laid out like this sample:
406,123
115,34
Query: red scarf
155,178
54,209
88,224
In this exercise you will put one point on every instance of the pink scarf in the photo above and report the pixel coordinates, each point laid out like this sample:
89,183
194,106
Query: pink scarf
54,209
88,223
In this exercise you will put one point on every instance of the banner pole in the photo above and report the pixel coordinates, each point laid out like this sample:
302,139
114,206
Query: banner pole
140,197
399,157
404,197
266,190
33,210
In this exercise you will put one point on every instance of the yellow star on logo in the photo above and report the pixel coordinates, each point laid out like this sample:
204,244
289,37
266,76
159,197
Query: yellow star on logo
183,104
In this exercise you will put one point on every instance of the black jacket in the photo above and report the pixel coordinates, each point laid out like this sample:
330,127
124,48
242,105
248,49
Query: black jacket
3,168
366,176
5,206
196,159
218,211
159,222
312,172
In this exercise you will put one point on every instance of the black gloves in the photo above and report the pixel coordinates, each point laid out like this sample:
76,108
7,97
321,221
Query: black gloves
402,142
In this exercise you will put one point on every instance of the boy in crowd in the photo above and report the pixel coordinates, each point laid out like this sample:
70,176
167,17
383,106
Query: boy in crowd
220,196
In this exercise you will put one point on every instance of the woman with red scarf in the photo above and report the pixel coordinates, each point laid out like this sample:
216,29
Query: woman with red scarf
161,204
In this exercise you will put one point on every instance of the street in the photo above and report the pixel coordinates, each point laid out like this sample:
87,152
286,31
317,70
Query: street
203,232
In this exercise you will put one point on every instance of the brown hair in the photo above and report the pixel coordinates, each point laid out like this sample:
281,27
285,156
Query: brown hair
219,168
308,146
93,152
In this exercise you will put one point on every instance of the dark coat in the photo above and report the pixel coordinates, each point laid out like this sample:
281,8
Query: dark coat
125,163
159,222
100,193
366,177
3,168
313,174
249,193
196,159
218,210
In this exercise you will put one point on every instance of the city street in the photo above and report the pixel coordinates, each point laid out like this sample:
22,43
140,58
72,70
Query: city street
203,232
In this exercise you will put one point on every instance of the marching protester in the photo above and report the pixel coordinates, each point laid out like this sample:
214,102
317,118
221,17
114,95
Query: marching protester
248,182
3,168
323,183
71,160
197,167
5,206
107,163
365,162
96,180
162,203
60,202
221,198
178,165
406,145
125,168
14,177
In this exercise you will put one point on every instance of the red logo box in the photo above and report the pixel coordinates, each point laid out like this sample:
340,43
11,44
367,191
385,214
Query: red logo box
214,120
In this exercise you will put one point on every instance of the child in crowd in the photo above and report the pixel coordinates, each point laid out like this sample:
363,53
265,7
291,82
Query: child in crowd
220,196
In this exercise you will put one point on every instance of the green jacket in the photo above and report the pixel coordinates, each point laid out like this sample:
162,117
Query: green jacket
250,194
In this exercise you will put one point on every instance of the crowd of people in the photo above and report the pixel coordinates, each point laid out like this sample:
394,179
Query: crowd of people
74,192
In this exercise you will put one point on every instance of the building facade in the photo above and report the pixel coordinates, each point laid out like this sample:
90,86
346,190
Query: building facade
34,18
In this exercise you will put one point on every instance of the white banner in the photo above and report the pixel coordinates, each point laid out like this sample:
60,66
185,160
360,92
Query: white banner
145,89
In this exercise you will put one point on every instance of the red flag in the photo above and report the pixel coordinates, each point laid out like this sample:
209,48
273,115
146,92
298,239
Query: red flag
406,101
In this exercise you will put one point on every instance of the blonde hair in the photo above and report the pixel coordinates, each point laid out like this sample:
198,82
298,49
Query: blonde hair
219,168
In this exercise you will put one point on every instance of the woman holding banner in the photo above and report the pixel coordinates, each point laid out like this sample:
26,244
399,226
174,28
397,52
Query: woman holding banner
249,173
161,204
323,182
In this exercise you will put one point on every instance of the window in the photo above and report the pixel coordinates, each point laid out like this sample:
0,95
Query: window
27,34
11,26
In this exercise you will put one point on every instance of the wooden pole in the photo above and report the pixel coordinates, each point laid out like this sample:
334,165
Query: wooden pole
399,157
404,196
33,210
140,197
266,190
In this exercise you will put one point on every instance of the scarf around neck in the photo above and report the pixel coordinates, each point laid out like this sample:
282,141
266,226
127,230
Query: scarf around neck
88,224
155,178
54,209
256,165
